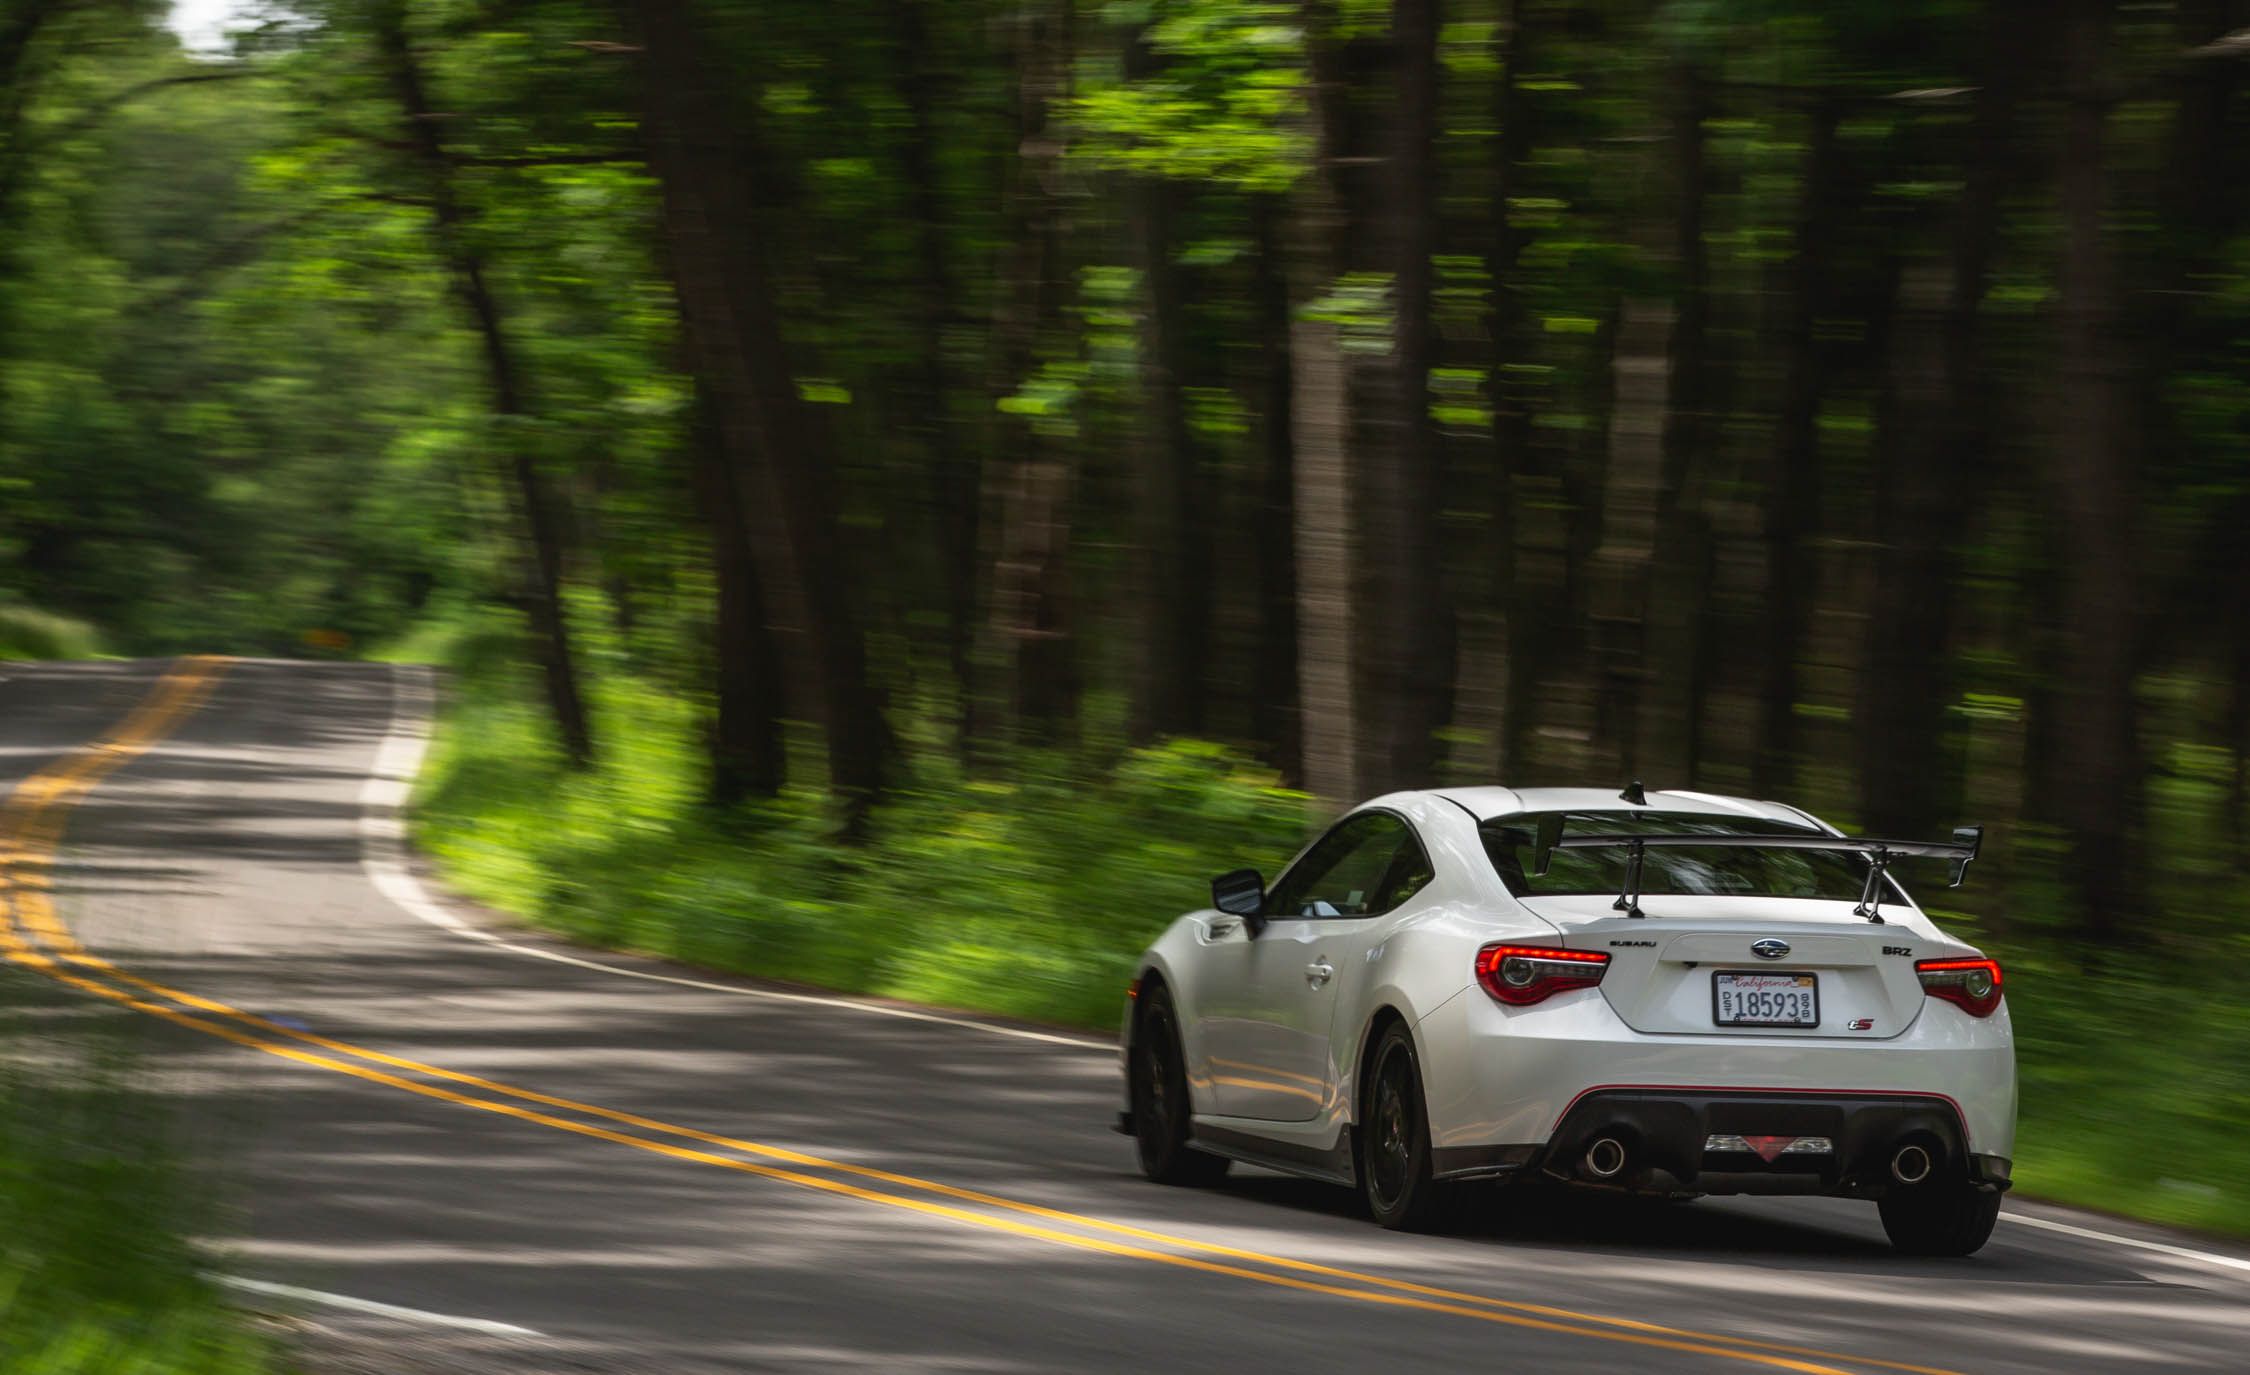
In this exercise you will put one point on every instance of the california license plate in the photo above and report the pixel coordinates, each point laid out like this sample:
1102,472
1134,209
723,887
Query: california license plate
1746,999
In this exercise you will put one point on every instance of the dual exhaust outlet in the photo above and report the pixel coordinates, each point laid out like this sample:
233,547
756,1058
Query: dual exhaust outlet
1607,1158
1911,1164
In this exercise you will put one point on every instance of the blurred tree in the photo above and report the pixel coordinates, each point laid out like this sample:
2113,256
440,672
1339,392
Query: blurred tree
1327,526
703,150
2097,498
1174,548
1843,403
420,137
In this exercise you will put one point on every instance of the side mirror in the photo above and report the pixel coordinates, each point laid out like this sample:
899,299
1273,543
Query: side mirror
1241,893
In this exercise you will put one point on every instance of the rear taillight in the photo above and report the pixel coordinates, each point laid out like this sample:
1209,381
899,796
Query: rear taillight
1522,974
1971,985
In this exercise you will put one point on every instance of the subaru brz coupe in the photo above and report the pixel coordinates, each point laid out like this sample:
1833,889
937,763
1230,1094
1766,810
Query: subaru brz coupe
1663,993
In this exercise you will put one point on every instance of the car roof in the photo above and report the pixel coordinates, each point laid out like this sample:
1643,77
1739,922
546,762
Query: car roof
1487,804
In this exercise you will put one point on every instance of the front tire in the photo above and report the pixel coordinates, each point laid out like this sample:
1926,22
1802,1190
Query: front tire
1949,1219
1394,1139
1160,1100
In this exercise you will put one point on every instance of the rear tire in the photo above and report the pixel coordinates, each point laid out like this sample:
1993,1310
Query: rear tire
1940,1219
1394,1139
1161,1108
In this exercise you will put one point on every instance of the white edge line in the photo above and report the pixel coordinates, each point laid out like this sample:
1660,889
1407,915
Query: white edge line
385,1310
2182,1252
382,832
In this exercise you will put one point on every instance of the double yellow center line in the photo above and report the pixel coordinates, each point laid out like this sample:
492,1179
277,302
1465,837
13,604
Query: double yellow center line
31,825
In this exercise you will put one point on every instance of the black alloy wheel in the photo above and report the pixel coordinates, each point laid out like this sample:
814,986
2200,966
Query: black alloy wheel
1394,1139
1158,1078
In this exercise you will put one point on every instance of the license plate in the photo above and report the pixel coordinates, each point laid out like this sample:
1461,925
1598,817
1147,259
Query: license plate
1765,999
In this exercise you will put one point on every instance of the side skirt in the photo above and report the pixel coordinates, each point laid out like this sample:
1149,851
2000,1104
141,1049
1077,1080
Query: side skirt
1479,1162
1332,1164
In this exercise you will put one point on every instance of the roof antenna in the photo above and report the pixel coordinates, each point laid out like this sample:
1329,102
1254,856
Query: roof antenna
1634,795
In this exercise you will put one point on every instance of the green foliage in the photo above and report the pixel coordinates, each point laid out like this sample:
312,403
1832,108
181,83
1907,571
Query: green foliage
1227,105
29,633
2135,1089
96,1275
1028,897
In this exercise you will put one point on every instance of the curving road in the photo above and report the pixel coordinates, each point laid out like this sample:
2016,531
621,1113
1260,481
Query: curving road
549,1160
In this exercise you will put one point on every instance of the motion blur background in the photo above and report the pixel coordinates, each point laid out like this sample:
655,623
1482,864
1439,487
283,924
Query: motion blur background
904,490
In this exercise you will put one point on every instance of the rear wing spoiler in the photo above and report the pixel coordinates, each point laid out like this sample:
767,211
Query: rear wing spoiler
1962,849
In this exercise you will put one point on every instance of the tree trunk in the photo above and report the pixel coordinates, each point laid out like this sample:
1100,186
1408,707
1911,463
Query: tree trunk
701,144
747,758
1320,425
2183,324
1626,555
1031,624
1519,607
2098,505
1172,553
1667,722
1792,509
1899,721
540,509
1407,635
1274,716
954,467
1933,444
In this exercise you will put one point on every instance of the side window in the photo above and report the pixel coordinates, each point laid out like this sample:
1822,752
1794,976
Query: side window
1363,868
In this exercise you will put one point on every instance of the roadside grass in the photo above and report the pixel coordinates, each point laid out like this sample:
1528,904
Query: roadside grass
1028,898
1031,899
26,632
96,1274
2135,1083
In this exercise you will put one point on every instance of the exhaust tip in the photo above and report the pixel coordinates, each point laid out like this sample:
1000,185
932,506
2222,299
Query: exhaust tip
1911,1165
1605,1159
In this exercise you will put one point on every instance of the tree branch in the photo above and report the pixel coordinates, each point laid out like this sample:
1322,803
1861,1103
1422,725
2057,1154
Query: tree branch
627,155
235,252
100,110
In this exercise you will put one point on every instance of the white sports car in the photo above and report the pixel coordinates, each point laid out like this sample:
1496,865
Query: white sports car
1668,993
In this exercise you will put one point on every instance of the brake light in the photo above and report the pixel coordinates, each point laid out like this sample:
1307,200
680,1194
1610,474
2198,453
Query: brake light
1971,985
1520,975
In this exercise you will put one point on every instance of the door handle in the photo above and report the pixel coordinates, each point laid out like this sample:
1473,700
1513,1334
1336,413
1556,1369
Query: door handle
1319,972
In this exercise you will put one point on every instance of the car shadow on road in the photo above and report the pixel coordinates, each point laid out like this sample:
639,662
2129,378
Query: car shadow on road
1541,1216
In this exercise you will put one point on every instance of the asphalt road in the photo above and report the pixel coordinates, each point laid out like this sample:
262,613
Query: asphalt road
649,1176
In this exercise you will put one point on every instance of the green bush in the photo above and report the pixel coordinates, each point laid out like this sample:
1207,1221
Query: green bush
2135,1077
28,633
1028,898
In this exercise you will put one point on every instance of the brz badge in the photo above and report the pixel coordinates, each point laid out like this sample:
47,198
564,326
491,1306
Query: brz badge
1769,948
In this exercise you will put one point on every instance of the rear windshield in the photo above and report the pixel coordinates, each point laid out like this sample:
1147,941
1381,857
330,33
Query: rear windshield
1741,872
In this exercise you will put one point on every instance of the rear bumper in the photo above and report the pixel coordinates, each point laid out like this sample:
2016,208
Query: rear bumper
1664,1132
1501,1075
